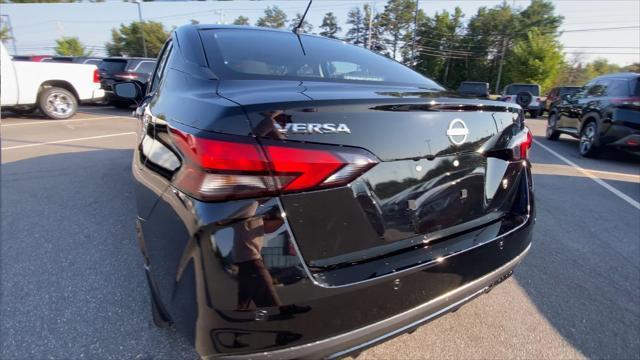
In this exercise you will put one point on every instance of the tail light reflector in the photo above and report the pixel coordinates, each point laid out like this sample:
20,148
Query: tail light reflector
231,167
96,76
523,144
126,75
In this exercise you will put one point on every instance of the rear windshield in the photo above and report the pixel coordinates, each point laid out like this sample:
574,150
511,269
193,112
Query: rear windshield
476,88
112,65
146,67
279,55
516,89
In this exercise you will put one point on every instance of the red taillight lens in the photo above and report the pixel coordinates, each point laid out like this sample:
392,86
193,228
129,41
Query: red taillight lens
525,144
633,102
126,76
96,76
232,167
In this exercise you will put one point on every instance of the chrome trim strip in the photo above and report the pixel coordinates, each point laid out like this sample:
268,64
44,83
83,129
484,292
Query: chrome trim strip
464,294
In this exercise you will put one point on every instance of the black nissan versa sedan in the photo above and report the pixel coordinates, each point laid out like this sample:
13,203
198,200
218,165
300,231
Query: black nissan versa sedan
300,197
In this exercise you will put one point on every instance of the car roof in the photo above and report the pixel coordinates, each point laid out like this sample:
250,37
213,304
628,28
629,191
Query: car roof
628,75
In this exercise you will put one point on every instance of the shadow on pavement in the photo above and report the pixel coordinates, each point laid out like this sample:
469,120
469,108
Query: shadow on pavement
72,277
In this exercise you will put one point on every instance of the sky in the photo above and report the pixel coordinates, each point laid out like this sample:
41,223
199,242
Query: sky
37,26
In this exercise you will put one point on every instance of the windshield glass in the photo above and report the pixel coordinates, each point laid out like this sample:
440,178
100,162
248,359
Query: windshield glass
278,55
476,88
569,91
112,66
518,88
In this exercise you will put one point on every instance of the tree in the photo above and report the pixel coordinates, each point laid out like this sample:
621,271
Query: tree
273,17
306,26
5,34
540,14
356,34
70,46
241,20
330,26
536,59
127,41
396,20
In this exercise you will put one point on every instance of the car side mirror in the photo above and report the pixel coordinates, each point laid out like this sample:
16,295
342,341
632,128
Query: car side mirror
128,90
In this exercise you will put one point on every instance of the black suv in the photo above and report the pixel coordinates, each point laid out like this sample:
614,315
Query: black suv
117,69
299,197
474,89
606,112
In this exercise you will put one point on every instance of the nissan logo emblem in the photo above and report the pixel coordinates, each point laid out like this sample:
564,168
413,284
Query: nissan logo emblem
457,132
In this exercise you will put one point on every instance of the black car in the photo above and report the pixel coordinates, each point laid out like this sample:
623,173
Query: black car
300,197
474,89
557,93
118,69
605,113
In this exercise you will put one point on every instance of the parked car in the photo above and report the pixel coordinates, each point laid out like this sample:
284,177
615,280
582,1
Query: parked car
36,58
55,89
525,95
74,59
266,187
474,89
605,113
557,93
116,69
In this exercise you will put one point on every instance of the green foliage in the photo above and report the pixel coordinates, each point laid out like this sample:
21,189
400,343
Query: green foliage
330,26
306,26
356,33
601,67
396,20
127,41
273,17
241,20
536,59
5,34
70,46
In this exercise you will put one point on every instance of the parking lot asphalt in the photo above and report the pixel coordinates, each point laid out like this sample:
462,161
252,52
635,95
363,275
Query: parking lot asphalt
73,286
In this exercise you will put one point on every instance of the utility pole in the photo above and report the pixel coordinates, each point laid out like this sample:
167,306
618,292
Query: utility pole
370,25
144,44
413,40
13,37
504,46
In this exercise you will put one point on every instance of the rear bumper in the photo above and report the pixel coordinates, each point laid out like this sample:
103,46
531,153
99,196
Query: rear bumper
370,335
623,134
233,303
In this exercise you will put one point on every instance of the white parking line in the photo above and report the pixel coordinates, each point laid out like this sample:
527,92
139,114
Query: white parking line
66,141
590,175
35,122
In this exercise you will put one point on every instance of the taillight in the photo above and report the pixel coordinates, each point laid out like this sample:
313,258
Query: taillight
96,76
231,167
126,75
630,101
507,98
526,140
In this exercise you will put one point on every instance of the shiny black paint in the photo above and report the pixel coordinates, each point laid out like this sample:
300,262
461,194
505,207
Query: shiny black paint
615,122
324,251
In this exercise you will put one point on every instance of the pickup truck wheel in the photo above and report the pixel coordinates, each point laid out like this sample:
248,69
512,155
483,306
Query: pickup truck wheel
57,103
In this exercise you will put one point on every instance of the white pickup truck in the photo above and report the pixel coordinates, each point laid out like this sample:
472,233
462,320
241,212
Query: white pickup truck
54,88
